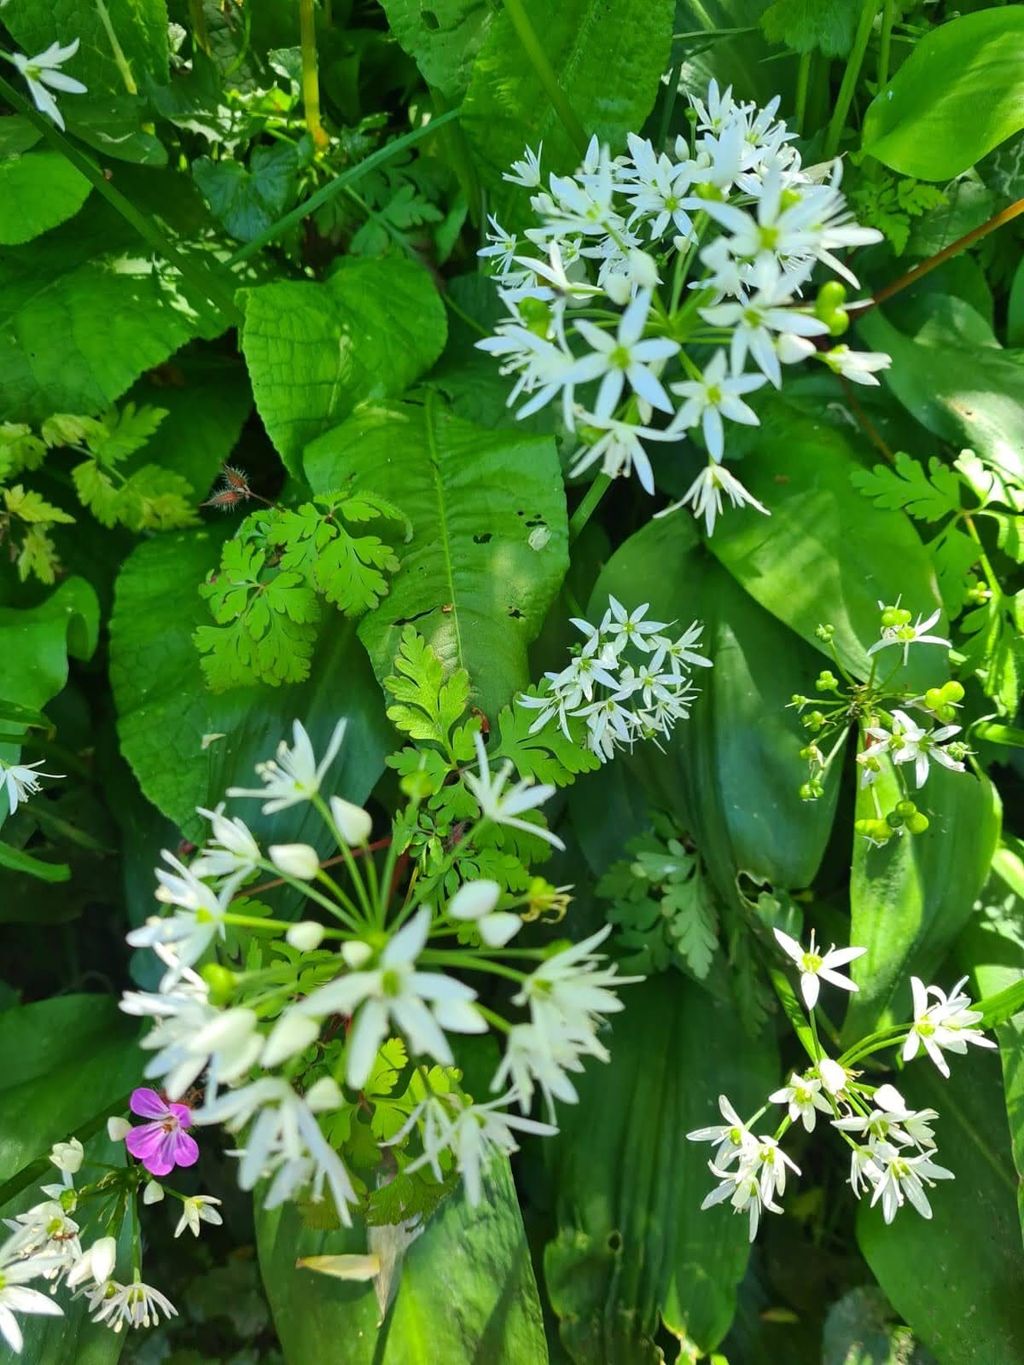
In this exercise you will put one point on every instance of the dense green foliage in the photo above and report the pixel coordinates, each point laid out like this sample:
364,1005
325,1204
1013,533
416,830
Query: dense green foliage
256,468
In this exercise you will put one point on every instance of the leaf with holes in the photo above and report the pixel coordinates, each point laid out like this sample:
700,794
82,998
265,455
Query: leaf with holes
489,544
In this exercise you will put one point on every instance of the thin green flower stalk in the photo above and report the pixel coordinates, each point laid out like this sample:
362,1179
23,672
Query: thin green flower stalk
310,75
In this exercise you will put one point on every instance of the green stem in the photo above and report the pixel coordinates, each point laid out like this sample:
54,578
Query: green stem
589,505
844,99
885,42
115,47
200,33
310,76
803,77
199,275
516,11
470,963
793,1011
328,191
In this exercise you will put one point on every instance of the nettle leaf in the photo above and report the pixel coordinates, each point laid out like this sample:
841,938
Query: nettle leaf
315,351
37,192
429,705
549,755
926,496
804,25
443,38
489,546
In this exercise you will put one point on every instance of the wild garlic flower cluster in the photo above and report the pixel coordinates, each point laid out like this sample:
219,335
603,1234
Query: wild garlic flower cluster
628,681
892,1145
897,725
328,1046
659,289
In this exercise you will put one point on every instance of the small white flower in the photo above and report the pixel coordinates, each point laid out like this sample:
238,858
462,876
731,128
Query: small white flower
421,1004
292,1034
907,635
153,1193
897,1176
132,1305
860,367
42,74
714,396
198,917
284,1143
833,1076
527,171
474,1134
542,1057
503,807
573,988
744,1191
911,743
733,1138
354,823
16,1269
21,781
942,1023
196,1209
475,901
756,318
295,860
803,1099
118,1128
232,853
618,447
705,493
293,775
96,1263
816,967
626,355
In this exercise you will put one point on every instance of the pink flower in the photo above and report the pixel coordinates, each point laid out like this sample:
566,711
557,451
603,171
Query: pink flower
164,1143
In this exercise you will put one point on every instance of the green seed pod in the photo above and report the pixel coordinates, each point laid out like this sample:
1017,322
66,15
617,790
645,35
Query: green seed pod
917,824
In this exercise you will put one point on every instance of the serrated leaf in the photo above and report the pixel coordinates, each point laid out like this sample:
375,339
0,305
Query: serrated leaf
925,496
20,449
122,432
428,705
350,571
444,38
29,506
316,350
549,755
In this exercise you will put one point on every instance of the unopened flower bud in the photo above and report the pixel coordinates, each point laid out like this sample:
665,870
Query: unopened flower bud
306,935
118,1128
295,860
474,899
292,1034
356,953
354,823
68,1156
153,1192
325,1094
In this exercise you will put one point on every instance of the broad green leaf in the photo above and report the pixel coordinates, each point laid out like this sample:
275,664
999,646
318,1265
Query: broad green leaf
35,642
507,105
465,1289
489,544
825,555
633,1249
139,25
38,192
443,36
969,394
186,744
956,97
249,199
62,1062
84,310
910,898
956,1279
737,757
316,350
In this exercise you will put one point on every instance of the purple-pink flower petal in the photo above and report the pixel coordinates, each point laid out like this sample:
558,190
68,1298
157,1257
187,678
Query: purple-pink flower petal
148,1104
